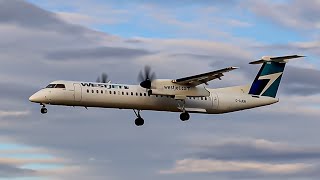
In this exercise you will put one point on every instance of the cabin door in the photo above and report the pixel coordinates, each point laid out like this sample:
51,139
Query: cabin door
77,92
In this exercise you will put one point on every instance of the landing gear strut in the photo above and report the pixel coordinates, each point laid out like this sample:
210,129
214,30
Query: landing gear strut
139,121
43,110
184,116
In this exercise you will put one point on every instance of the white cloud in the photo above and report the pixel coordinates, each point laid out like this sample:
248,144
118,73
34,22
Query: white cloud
13,113
216,166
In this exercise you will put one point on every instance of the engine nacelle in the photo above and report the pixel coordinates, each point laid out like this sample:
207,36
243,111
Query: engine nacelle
167,87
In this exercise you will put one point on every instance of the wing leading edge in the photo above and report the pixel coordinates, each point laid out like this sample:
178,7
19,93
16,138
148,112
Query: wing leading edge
203,78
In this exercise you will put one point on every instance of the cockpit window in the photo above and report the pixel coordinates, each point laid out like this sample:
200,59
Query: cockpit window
50,86
60,86
56,86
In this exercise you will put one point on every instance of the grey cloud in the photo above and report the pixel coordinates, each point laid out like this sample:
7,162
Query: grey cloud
19,12
9,171
301,81
190,55
169,3
97,53
298,14
258,150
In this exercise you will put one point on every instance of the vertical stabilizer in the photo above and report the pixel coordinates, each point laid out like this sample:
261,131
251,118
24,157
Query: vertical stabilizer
269,77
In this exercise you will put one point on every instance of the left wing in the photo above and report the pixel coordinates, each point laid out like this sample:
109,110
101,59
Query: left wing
203,78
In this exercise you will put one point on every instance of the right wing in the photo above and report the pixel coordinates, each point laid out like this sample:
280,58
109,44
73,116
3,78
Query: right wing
203,78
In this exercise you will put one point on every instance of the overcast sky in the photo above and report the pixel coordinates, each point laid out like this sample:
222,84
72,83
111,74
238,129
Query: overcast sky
46,40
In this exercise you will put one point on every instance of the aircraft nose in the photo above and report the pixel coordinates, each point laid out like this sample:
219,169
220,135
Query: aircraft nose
36,98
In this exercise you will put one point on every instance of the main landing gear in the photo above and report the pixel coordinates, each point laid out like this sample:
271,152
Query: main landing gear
44,110
139,121
184,116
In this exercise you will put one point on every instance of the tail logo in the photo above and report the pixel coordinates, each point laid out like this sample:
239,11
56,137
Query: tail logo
272,78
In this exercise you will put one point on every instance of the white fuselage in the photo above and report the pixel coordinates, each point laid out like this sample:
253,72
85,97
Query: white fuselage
134,97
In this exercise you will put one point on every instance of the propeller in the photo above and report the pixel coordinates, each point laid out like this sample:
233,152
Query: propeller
146,77
103,78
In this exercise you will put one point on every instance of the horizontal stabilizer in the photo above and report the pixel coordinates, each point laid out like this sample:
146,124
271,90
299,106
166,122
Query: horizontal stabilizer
280,59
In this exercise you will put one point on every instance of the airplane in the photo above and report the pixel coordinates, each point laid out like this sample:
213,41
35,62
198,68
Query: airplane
185,95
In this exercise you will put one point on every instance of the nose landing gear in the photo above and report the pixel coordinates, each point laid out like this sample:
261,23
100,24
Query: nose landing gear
139,121
44,110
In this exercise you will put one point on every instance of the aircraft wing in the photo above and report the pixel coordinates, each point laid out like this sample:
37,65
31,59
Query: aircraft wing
203,78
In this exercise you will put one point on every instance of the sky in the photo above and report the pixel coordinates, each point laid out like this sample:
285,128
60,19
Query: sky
47,40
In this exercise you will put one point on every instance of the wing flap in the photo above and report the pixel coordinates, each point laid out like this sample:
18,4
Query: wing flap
203,78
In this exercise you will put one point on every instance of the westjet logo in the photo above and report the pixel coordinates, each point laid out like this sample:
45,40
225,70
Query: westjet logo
177,88
94,85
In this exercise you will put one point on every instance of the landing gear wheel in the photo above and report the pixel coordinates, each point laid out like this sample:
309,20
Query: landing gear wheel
139,121
44,110
184,116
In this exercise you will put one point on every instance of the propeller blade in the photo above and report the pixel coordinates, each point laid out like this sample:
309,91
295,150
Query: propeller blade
145,77
103,78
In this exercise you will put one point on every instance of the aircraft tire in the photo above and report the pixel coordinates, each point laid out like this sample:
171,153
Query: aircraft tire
139,121
44,110
184,116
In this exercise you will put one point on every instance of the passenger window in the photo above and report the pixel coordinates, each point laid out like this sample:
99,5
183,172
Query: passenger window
122,93
205,98
201,98
145,94
110,92
87,90
51,86
136,94
98,91
131,93
101,91
92,91
127,94
140,94
114,92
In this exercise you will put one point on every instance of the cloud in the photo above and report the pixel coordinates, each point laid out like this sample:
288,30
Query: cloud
100,53
217,166
255,150
297,14
244,158
18,13
8,171
13,113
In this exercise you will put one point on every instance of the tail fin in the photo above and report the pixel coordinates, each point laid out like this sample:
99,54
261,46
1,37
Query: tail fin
269,77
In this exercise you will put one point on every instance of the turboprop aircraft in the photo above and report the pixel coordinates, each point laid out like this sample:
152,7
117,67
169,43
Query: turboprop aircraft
185,95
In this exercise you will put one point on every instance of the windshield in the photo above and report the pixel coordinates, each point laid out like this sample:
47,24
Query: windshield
56,86
50,86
